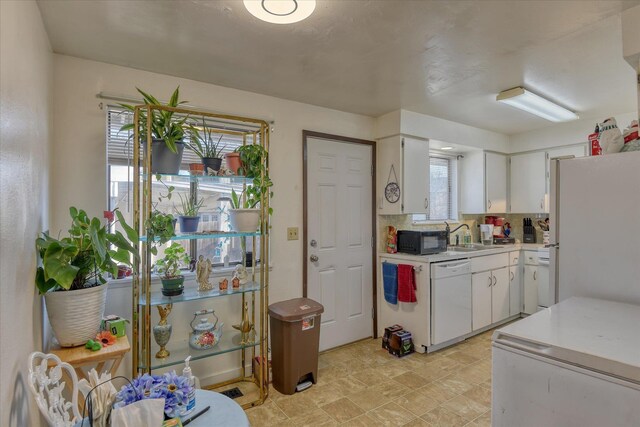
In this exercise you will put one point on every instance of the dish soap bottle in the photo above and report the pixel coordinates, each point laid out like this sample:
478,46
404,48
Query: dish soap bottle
466,237
194,383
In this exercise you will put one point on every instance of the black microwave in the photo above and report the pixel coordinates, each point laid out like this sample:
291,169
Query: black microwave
422,242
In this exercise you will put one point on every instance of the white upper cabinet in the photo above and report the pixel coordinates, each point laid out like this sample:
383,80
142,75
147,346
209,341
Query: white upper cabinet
409,159
483,183
528,182
495,172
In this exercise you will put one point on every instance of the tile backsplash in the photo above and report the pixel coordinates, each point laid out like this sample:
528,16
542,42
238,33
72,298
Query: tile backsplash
405,222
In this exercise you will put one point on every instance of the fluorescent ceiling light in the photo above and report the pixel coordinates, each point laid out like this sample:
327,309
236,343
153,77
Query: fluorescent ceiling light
448,147
521,98
280,11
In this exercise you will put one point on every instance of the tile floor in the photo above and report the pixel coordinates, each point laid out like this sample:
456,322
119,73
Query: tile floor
362,385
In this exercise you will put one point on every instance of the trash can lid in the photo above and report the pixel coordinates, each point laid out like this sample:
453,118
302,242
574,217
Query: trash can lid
295,309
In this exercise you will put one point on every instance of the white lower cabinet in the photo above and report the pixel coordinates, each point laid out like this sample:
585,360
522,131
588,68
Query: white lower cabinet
490,296
530,289
481,299
515,283
500,295
515,294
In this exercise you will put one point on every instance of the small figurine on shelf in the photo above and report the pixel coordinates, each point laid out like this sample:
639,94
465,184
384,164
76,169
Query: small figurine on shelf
241,273
223,284
235,283
162,331
203,270
245,327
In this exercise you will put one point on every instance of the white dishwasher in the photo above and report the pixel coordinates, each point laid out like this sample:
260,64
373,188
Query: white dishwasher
450,301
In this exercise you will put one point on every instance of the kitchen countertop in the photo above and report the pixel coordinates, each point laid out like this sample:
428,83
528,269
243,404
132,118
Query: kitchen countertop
463,255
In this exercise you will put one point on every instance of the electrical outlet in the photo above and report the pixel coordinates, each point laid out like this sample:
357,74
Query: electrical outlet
292,233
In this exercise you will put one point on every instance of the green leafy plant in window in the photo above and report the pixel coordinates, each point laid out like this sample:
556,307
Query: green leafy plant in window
80,260
254,160
203,142
175,256
165,125
188,206
160,226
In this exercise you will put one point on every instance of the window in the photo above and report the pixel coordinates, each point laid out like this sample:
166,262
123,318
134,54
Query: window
443,198
213,214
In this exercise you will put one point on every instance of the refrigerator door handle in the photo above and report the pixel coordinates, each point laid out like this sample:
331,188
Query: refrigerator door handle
528,346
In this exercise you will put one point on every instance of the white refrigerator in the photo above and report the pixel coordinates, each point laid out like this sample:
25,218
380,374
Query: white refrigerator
575,364
595,227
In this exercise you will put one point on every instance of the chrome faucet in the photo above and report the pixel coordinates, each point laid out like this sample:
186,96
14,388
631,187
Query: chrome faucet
449,230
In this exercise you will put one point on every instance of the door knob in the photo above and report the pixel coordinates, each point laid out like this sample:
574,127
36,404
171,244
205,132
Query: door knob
313,258
313,243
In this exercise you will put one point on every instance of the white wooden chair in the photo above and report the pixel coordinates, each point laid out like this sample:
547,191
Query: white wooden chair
46,385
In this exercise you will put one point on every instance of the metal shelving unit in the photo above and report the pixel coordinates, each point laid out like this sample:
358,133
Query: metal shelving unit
254,131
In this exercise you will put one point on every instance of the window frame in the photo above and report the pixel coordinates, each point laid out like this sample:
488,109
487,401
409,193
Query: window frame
454,216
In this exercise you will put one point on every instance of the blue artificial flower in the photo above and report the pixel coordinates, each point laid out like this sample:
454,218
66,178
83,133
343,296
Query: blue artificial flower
174,389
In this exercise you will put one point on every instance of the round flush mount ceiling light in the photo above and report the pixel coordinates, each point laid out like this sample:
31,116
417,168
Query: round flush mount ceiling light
280,11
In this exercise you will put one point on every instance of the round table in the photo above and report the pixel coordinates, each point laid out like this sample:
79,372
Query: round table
224,412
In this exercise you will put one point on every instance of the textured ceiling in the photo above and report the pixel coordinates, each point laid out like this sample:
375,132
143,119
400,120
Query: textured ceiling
444,58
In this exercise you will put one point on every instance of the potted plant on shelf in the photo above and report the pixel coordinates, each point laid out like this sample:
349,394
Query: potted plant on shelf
188,217
243,214
167,133
233,161
160,227
72,279
206,146
169,268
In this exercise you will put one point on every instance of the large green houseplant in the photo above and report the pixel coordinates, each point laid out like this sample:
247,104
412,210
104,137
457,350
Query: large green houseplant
167,132
72,274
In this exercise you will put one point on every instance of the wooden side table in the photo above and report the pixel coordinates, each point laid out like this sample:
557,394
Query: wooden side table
80,357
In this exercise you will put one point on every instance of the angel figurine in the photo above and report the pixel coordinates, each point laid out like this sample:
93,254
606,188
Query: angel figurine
203,270
241,274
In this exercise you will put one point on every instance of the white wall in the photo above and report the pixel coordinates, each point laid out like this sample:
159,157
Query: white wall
424,126
563,133
79,155
25,106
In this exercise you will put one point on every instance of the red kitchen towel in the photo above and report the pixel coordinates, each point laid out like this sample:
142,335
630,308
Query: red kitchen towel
406,283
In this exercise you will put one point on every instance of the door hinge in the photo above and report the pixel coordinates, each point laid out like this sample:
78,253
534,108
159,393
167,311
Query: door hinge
403,142
547,155
402,207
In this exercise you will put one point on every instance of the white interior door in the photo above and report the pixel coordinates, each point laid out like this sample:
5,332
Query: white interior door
339,238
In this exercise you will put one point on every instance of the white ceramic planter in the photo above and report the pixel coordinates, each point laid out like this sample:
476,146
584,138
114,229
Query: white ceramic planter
75,316
244,220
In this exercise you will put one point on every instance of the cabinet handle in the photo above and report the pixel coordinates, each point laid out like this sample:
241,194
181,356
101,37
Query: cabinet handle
489,282
535,276
542,203
426,203
495,280
513,276
489,204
